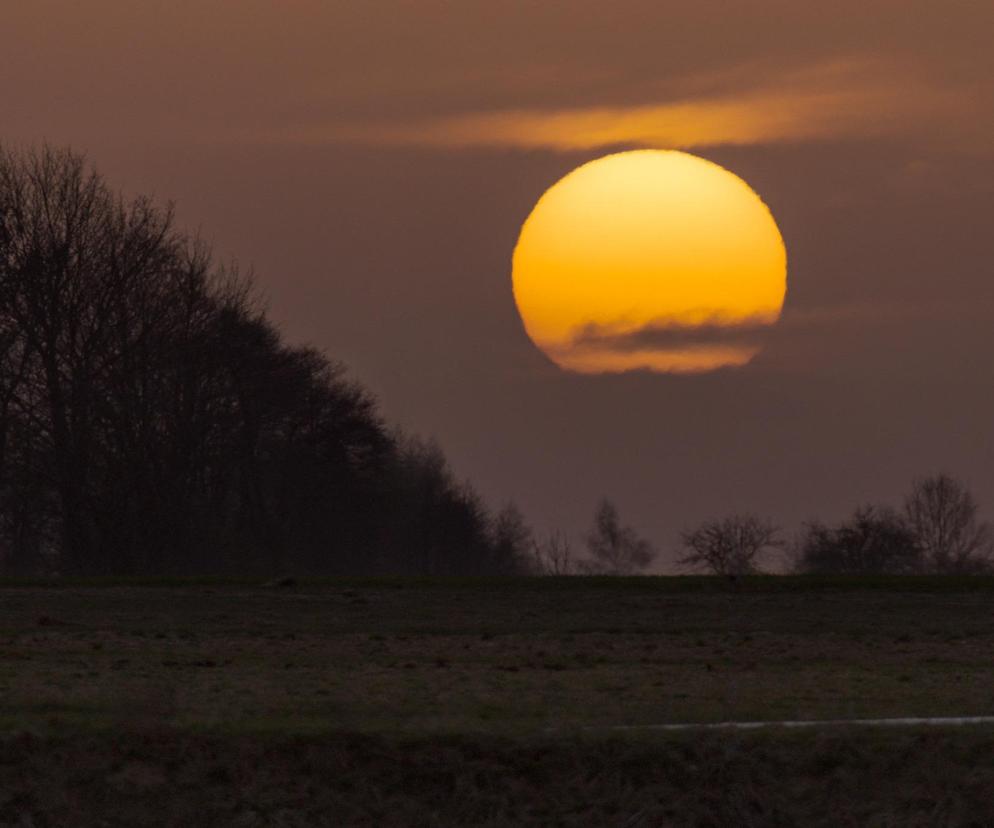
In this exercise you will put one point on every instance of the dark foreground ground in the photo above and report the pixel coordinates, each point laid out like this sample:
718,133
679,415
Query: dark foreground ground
492,702
191,779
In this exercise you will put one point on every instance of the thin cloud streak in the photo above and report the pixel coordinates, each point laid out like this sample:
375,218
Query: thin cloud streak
834,101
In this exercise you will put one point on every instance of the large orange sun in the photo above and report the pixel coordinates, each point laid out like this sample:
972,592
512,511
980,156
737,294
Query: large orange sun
649,259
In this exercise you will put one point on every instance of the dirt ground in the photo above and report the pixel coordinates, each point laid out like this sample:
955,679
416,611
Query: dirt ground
186,779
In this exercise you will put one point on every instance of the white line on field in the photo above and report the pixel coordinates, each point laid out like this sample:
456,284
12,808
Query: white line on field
801,723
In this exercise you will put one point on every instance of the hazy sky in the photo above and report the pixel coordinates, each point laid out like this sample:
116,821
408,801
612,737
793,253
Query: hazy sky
374,161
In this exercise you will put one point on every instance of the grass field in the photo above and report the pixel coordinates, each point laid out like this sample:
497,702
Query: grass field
492,702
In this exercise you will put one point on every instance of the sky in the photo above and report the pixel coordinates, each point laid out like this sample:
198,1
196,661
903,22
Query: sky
373,162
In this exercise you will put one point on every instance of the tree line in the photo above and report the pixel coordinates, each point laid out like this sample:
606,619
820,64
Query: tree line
936,531
153,419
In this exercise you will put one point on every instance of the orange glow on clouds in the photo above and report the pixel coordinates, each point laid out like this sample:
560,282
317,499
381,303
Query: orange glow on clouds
735,120
834,100
649,259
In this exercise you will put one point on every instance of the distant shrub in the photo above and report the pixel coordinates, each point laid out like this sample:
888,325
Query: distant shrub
874,541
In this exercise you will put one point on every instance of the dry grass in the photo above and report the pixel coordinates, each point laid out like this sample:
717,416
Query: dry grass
447,703
484,659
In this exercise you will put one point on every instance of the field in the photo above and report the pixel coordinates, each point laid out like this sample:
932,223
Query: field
493,702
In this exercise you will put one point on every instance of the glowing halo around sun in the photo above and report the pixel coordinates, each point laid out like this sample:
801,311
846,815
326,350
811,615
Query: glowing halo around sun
651,259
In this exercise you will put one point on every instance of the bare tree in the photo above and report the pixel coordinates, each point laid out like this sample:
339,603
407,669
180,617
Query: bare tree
553,555
729,546
942,514
615,549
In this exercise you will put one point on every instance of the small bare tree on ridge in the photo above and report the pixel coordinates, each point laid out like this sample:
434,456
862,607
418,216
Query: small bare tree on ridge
553,555
942,514
729,546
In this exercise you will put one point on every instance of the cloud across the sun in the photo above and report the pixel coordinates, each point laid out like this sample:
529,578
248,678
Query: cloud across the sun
690,348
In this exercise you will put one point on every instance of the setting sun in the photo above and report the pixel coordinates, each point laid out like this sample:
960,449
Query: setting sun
649,259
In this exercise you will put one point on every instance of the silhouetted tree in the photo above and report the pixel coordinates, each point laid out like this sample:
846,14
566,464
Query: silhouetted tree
511,541
729,546
875,541
615,549
942,514
435,525
85,286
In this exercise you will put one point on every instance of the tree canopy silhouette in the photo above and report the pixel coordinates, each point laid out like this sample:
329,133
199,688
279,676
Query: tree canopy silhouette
153,420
